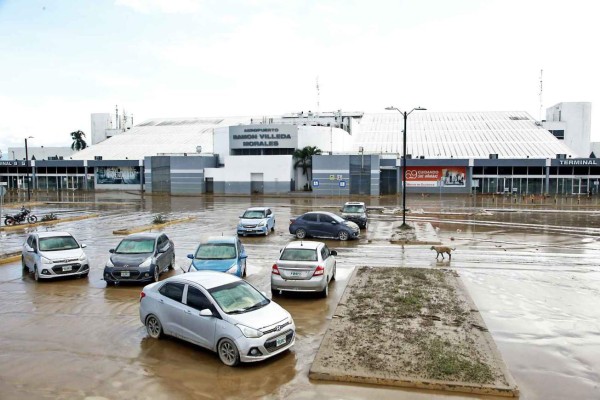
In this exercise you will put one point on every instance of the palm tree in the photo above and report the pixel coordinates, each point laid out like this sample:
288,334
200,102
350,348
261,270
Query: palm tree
303,159
78,141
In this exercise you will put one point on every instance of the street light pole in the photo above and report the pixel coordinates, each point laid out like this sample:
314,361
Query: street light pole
27,168
405,115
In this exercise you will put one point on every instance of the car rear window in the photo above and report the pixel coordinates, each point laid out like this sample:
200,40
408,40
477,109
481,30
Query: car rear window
299,255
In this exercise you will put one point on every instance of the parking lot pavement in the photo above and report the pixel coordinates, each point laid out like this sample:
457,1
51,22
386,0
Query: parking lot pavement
76,337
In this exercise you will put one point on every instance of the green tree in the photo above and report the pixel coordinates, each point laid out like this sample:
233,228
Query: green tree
303,159
78,141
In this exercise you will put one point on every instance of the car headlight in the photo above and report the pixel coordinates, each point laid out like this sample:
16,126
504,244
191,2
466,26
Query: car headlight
262,223
147,263
109,264
249,332
47,261
233,269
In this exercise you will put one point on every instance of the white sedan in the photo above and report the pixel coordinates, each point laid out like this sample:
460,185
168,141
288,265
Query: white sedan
220,312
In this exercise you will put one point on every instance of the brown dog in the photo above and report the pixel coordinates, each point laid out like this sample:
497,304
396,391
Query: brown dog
441,250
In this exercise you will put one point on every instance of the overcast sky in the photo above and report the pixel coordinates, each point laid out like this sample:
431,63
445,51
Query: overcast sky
63,60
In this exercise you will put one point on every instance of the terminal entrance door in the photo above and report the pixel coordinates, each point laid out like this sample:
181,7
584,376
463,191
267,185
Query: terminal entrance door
257,184
580,186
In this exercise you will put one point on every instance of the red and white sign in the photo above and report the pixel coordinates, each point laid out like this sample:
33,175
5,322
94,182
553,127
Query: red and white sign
435,176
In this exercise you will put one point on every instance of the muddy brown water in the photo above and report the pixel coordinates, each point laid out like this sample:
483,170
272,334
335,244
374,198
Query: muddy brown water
535,277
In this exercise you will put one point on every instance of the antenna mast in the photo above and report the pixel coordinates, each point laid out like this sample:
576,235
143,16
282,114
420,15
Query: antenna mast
541,91
318,97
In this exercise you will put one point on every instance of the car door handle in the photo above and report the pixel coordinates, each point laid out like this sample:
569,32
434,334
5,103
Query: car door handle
187,311
162,301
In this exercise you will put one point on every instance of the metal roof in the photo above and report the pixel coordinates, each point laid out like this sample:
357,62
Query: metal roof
457,135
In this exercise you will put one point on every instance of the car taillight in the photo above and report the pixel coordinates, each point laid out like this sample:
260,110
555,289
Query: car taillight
292,221
319,271
142,295
275,269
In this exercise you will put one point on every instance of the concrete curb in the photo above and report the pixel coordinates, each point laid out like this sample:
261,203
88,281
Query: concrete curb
47,223
128,231
10,257
319,370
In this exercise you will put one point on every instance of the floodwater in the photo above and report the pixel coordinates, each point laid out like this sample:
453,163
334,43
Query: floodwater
532,269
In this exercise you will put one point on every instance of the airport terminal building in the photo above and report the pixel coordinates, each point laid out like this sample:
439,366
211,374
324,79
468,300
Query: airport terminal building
361,153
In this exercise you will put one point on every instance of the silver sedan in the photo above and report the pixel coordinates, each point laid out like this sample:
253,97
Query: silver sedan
220,312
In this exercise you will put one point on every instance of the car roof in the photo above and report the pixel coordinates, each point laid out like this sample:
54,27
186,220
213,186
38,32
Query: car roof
354,203
147,235
207,279
303,244
52,234
322,212
257,209
220,239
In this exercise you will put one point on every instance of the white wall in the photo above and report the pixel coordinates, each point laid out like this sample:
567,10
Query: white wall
325,138
221,142
576,118
239,168
101,122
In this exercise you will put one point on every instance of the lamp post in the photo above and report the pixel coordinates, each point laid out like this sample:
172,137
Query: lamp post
405,115
27,168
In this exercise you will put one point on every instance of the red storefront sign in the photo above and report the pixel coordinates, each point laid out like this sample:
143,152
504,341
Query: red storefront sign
436,176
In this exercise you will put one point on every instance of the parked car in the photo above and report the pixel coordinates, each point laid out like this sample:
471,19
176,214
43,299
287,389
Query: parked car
54,254
323,224
220,312
356,212
220,253
304,266
140,257
256,221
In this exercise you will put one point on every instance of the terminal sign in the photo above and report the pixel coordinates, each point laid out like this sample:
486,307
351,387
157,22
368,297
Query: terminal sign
256,136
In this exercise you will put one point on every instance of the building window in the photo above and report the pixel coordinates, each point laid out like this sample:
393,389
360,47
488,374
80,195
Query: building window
558,133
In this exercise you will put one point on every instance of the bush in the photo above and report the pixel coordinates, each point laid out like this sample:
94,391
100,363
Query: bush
49,217
159,219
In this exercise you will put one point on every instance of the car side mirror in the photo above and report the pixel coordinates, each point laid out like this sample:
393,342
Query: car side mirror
163,250
111,251
190,256
29,249
243,256
241,216
333,222
206,313
333,253
83,245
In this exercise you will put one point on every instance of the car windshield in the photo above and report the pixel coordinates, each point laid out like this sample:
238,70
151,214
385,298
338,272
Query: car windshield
58,243
254,214
238,297
337,218
135,246
354,208
299,255
215,251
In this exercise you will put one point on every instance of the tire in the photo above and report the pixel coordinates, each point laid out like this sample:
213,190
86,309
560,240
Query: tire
244,270
325,292
343,235
172,264
300,233
267,232
36,274
154,327
9,221
156,274
228,353
333,273
25,269
32,219
273,227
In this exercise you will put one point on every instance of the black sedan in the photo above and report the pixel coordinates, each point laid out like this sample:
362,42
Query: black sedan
323,224
140,257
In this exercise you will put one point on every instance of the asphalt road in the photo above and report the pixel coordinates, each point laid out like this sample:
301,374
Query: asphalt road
534,276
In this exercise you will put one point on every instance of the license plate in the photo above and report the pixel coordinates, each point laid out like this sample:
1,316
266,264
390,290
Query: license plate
296,273
280,341
67,268
125,273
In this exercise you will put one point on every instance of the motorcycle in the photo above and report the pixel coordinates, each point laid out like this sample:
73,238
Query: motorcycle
24,215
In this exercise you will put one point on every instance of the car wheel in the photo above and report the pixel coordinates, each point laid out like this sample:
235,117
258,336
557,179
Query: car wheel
172,264
273,227
325,292
343,235
36,274
333,274
25,269
300,233
154,327
228,353
267,232
244,270
156,275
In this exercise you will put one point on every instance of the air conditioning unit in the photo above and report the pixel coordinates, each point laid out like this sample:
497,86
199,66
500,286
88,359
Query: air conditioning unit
493,156
409,156
561,156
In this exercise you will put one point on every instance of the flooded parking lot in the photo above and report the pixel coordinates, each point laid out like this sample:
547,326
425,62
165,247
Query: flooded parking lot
534,275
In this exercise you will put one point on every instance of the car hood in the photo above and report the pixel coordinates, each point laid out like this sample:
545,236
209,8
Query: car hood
214,265
356,214
62,254
351,225
133,260
269,315
252,221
